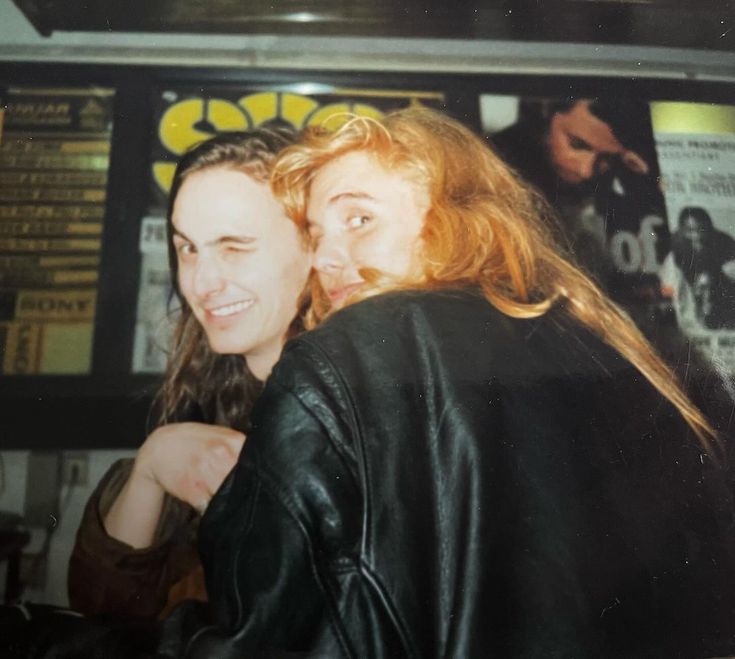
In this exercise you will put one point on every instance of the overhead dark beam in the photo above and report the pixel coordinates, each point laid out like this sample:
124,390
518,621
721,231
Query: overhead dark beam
707,24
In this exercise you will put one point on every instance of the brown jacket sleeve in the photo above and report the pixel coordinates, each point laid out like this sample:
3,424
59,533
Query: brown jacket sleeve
107,576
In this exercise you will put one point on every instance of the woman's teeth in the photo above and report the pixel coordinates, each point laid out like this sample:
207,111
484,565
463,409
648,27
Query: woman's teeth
230,309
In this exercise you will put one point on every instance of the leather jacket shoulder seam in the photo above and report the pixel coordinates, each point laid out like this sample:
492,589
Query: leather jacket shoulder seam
360,448
323,357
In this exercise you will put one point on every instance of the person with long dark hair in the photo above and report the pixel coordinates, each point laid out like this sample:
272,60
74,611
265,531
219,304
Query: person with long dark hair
475,452
703,255
239,269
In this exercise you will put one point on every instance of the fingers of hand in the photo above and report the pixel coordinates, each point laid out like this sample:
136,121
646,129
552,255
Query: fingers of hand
236,442
214,469
201,507
192,488
227,445
232,438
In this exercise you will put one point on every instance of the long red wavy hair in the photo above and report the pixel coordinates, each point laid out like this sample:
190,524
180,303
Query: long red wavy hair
484,227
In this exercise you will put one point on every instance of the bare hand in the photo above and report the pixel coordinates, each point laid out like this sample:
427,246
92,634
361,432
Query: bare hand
189,460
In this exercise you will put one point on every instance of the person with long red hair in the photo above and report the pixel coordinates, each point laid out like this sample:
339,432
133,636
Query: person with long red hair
475,453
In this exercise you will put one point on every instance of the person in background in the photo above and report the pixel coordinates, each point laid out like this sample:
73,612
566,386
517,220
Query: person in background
239,267
706,259
595,162
475,453
568,146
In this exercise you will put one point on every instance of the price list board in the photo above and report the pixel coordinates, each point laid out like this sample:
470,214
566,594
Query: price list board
54,158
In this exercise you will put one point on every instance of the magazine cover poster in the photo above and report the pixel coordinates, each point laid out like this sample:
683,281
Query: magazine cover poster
595,162
696,146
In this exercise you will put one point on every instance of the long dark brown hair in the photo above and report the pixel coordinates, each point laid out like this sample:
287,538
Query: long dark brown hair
199,383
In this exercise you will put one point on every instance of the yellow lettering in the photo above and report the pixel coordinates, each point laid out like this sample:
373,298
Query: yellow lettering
296,108
193,120
260,107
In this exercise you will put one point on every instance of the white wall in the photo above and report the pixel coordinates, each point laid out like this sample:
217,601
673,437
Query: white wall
12,499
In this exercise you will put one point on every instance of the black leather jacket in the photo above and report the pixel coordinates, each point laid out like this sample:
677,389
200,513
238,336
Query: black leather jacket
428,478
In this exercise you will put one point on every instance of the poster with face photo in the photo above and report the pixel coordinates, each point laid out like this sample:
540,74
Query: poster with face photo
595,162
187,116
696,146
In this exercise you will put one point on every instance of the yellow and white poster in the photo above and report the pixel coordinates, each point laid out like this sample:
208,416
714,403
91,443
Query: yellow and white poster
696,147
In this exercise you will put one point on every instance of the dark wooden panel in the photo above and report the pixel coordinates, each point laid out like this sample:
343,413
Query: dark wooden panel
705,24
70,412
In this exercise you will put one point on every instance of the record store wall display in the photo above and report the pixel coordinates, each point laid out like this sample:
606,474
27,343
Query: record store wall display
639,173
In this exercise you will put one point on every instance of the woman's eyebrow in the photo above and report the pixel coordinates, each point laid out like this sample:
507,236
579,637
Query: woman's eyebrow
350,195
243,240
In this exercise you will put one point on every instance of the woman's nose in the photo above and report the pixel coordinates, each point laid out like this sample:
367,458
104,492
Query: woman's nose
208,278
330,256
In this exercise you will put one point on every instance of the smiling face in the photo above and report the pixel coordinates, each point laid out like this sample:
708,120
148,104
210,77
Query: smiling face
581,146
362,215
241,264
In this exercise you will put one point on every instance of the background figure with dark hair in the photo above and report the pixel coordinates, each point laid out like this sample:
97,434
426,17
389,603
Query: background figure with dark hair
595,162
578,141
701,253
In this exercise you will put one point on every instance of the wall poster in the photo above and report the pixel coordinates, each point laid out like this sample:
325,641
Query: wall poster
54,157
595,162
696,146
187,116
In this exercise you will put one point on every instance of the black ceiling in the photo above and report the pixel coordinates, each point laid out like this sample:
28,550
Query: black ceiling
703,24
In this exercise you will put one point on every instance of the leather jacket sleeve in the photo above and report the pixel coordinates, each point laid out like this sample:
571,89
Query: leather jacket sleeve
276,534
107,576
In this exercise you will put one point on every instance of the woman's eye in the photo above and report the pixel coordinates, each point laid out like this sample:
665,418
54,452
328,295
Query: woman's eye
185,249
237,250
358,220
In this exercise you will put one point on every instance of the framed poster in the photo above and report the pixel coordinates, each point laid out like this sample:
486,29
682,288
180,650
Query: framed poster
696,145
54,158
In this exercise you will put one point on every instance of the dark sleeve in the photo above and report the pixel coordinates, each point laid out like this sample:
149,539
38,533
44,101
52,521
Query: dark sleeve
286,516
107,576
